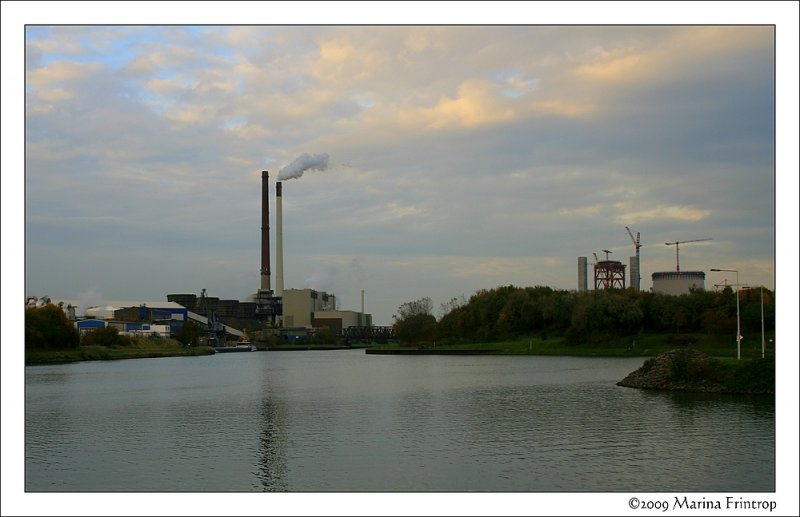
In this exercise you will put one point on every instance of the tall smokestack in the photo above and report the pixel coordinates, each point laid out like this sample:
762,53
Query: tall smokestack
265,231
278,240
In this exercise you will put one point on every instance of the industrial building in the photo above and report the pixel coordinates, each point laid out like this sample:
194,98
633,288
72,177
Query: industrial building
305,309
678,282
280,309
300,305
608,274
635,271
635,274
582,274
134,317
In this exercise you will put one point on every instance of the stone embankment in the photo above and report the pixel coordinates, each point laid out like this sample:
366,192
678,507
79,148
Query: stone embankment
683,370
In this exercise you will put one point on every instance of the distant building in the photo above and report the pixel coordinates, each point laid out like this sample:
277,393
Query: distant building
678,282
316,309
90,325
338,321
582,274
299,306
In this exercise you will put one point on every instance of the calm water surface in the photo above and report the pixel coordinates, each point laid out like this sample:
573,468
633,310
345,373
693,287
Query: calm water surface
349,422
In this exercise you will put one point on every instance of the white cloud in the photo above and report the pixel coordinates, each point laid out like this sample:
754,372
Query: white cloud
462,157
683,213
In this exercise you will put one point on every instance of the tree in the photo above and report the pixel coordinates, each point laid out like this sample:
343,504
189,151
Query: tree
106,336
415,322
189,334
48,327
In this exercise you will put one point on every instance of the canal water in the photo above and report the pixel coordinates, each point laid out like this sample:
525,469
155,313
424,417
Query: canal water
345,421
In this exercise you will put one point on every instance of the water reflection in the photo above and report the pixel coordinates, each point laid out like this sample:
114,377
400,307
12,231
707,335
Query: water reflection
272,445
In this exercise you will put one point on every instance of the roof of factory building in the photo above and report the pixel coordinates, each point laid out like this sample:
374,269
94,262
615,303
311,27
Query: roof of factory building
117,304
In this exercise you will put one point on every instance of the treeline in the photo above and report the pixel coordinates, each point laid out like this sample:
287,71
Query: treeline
590,317
47,328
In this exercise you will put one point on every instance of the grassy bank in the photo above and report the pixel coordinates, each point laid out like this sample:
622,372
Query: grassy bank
139,348
642,346
692,370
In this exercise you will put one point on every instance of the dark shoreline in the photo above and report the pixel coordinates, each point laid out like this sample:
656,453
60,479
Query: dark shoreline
431,351
693,371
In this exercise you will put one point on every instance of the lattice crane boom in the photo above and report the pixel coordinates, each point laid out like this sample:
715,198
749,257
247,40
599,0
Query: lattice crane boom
635,282
677,252
636,240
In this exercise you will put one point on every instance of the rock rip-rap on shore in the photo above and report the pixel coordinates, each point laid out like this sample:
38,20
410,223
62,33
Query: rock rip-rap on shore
677,370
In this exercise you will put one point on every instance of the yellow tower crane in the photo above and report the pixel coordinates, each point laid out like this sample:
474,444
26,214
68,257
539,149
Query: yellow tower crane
677,247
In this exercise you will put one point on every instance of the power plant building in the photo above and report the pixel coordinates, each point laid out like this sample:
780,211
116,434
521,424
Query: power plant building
635,274
339,321
299,306
609,274
583,274
678,282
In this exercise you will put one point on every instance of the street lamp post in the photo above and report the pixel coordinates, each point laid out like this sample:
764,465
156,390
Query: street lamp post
738,326
761,288
762,322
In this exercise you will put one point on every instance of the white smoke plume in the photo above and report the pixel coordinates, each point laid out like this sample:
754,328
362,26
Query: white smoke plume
323,279
88,299
303,163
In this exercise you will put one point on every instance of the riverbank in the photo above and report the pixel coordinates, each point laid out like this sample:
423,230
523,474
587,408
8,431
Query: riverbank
695,371
430,351
642,346
138,349
649,345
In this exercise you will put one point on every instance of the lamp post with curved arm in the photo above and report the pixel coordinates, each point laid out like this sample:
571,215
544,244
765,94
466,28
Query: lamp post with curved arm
738,326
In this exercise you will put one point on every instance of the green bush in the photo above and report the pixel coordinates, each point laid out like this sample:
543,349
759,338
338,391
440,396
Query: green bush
189,334
106,336
757,375
680,339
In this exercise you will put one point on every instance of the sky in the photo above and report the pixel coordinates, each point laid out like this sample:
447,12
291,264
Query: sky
460,157
464,151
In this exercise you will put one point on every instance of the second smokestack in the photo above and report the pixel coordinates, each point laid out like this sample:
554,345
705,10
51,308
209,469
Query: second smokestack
265,284
278,240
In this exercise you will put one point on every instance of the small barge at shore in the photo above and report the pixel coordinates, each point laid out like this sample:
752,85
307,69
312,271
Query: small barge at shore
243,345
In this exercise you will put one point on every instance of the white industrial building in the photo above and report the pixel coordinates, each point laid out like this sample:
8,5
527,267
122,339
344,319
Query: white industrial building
678,282
309,308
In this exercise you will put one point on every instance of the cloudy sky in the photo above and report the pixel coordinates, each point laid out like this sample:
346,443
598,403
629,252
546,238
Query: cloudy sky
461,157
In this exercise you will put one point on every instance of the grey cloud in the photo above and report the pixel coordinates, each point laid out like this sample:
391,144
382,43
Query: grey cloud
536,186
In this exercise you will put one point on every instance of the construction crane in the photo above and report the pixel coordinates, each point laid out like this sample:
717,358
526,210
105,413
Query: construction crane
215,330
596,260
677,248
607,252
635,284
